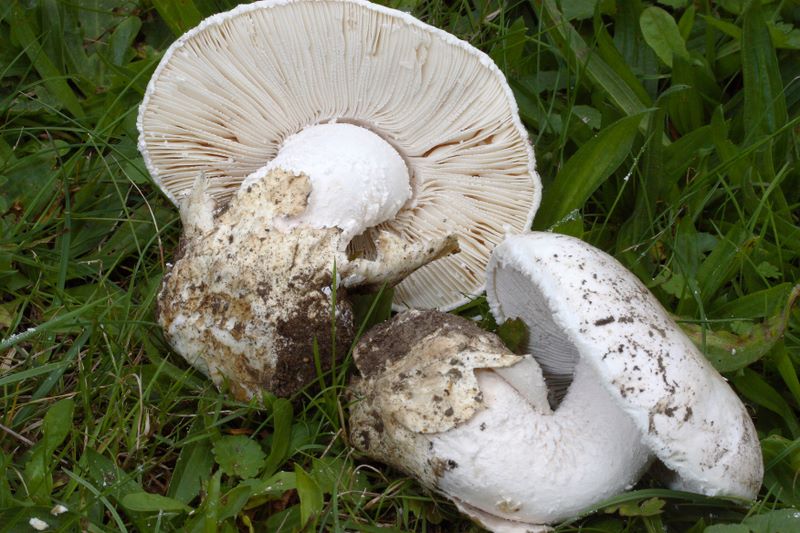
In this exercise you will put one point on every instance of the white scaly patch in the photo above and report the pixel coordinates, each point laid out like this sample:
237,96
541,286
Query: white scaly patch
38,524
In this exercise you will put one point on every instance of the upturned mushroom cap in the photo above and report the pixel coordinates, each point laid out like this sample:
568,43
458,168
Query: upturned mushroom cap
583,307
446,402
228,94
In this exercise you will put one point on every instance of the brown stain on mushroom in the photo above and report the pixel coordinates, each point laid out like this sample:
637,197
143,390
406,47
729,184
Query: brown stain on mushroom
418,379
373,357
440,466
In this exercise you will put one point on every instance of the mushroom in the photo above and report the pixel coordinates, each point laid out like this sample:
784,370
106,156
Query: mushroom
253,289
316,146
586,312
230,94
522,441
448,403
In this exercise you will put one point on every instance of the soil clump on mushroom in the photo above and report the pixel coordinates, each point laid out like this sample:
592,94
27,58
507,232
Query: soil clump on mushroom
246,302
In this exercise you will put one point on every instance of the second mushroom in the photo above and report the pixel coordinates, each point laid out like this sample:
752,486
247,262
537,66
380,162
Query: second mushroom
522,441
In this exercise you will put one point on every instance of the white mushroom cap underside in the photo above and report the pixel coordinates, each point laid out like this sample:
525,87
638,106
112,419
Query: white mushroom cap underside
227,94
689,416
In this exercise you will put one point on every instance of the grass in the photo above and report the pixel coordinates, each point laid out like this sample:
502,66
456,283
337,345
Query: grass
665,134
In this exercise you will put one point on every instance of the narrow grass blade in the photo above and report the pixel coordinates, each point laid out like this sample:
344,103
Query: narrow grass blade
616,62
52,78
764,103
721,265
48,326
586,170
757,390
580,56
787,370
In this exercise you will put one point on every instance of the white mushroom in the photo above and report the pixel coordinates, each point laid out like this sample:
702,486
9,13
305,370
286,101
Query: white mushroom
252,291
356,138
587,313
265,79
446,402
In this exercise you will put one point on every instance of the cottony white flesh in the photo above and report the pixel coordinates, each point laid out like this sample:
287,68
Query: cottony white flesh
358,180
520,461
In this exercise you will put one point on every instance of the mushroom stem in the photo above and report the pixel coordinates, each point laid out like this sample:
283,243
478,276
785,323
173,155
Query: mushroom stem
561,462
358,180
448,403
245,302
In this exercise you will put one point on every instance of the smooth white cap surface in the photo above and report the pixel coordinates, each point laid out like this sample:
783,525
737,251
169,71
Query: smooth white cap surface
229,92
590,308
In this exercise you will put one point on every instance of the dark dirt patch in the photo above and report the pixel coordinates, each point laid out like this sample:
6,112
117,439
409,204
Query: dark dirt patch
392,340
295,347
604,321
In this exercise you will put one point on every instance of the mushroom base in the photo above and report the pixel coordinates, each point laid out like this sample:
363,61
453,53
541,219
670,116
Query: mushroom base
245,303
248,299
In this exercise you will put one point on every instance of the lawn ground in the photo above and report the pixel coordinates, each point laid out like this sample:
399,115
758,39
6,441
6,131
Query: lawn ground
666,134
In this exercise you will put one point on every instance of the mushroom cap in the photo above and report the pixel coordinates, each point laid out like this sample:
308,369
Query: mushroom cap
230,91
581,304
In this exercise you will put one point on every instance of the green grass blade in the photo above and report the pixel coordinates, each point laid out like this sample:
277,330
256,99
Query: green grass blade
281,437
180,15
193,467
788,371
52,78
764,104
580,56
50,381
586,170
311,498
757,390
48,326
146,502
616,62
